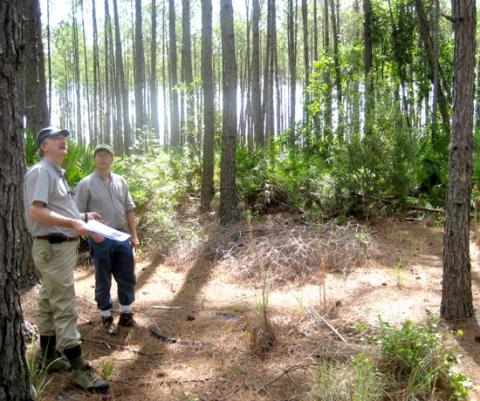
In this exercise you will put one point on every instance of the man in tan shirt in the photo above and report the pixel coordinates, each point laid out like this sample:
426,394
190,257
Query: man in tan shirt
55,223
107,193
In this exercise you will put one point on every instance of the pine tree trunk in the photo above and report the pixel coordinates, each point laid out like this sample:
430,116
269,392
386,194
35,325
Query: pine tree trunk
338,75
36,109
208,105
123,143
86,87
256,93
229,126
188,75
107,138
153,73
76,61
292,64
14,382
165,50
457,301
97,131
368,57
140,118
174,123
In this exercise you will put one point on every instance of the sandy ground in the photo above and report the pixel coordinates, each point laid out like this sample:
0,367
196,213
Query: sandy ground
208,311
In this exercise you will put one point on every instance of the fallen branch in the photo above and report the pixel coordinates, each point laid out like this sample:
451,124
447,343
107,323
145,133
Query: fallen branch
285,372
121,347
330,326
426,209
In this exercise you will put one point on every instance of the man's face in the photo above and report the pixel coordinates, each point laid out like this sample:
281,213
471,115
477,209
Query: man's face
103,160
55,147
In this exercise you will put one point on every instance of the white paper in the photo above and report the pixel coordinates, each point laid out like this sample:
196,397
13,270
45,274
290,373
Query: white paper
106,231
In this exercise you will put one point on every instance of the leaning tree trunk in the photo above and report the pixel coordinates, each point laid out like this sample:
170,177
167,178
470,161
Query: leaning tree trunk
14,382
457,281
229,129
36,109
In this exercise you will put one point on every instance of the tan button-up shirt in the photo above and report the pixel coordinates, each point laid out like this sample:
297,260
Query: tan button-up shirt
108,196
45,182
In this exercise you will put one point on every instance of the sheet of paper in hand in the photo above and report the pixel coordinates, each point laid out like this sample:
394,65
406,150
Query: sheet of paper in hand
106,231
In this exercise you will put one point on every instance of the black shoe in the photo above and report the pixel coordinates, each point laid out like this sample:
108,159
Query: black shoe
108,326
126,319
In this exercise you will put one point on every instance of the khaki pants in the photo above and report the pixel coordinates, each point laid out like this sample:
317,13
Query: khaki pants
57,308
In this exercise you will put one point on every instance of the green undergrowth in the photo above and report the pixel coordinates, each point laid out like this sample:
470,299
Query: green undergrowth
408,363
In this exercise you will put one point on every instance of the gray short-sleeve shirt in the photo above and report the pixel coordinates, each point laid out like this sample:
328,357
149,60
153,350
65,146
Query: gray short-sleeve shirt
108,196
45,182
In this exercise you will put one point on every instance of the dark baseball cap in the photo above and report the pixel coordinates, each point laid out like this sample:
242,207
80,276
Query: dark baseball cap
103,146
50,131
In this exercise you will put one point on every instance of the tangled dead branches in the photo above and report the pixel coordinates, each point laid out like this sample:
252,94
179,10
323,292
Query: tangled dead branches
294,253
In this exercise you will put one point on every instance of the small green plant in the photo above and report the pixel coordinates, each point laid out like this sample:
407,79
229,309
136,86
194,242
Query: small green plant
107,368
38,377
398,271
356,380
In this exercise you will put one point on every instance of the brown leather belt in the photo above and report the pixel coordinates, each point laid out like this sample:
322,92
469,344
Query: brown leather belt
57,238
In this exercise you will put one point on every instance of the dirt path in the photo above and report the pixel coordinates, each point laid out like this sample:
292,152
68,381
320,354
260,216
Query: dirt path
208,310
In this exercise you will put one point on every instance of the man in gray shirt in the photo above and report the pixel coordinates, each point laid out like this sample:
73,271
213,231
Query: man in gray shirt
107,193
55,223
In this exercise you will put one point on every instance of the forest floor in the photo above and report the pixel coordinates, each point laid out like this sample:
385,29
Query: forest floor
208,308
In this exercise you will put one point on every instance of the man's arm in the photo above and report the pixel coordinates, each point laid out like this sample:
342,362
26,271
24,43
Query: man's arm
40,213
132,226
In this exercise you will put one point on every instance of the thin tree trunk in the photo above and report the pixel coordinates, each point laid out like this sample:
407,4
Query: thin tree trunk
174,123
108,62
292,64
306,62
256,93
49,56
14,381
76,60
208,105
229,126
368,57
86,90
153,73
338,74
97,134
166,136
124,143
188,76
140,118
457,301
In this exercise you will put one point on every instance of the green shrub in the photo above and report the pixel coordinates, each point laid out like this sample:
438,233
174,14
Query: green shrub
418,360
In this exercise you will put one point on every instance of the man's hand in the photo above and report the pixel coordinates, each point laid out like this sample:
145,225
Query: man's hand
94,216
135,242
81,228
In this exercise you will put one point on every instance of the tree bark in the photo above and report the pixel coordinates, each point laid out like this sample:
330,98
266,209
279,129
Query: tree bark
256,93
187,74
457,301
208,105
174,123
123,143
292,65
14,382
229,126
368,60
153,74
97,134
140,117
36,108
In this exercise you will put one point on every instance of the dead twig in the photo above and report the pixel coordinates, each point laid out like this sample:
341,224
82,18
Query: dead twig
328,324
239,386
285,372
121,347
